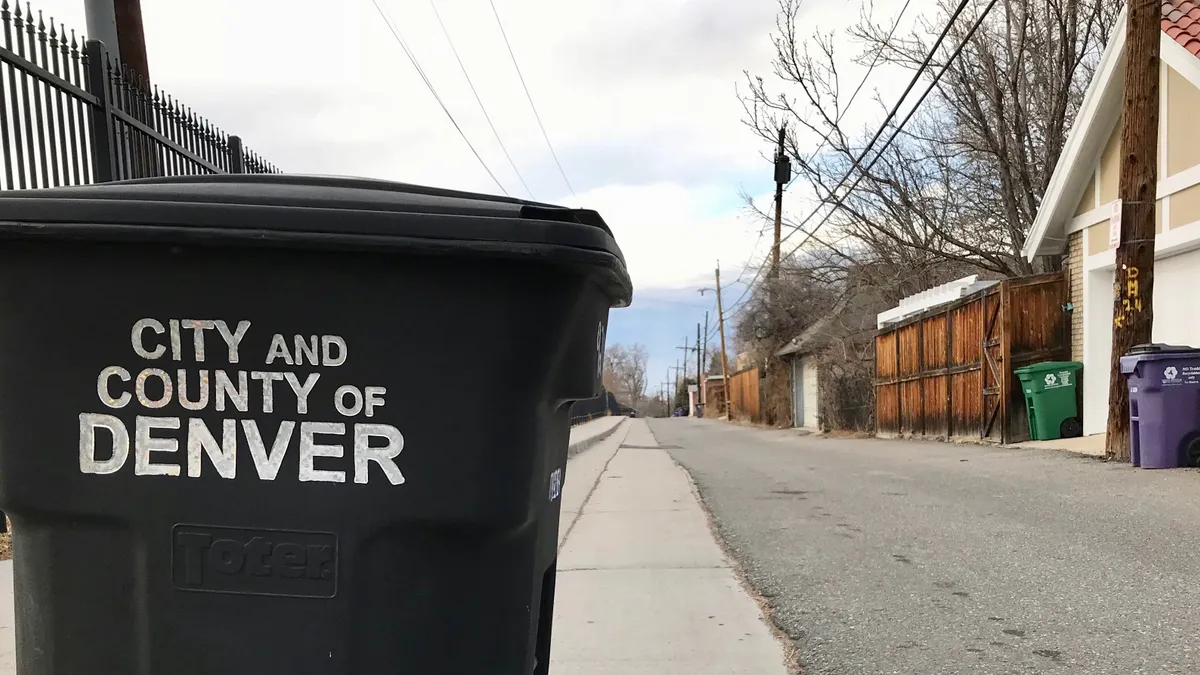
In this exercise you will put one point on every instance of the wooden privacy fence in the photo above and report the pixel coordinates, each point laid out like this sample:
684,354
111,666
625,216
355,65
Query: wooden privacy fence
948,371
745,396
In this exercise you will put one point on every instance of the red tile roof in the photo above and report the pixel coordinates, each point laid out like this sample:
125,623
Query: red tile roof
1181,20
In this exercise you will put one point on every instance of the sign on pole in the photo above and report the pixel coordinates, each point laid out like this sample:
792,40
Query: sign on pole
1114,226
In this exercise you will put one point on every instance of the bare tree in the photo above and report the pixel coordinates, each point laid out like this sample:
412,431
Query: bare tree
779,310
608,379
962,182
628,367
714,361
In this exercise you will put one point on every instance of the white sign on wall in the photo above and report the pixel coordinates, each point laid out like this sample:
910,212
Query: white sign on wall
1114,225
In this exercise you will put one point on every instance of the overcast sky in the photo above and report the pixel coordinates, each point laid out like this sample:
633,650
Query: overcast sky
637,96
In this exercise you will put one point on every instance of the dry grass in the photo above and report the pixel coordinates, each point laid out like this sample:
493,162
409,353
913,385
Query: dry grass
842,433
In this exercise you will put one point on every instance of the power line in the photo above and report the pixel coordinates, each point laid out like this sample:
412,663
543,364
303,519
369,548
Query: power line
899,127
737,304
863,81
421,71
742,274
895,109
463,68
883,127
530,98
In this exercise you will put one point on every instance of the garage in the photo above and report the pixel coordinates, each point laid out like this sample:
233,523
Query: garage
804,392
1176,286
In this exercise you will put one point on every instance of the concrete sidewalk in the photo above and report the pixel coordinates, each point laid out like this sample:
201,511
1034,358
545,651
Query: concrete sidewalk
643,588
588,434
1084,445
8,649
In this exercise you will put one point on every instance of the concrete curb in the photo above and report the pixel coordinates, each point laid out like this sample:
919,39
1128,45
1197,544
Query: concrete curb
585,443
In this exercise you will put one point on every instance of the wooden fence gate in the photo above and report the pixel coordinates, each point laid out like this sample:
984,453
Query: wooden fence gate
948,371
745,395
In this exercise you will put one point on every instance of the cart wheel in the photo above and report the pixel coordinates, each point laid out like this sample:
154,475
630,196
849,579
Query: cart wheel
1070,428
1191,450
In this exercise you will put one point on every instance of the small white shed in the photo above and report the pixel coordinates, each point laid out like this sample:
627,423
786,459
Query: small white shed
803,355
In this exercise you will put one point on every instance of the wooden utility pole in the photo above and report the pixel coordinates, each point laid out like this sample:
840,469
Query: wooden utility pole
699,383
669,397
685,349
118,24
1133,276
677,368
101,22
783,173
132,37
721,329
704,389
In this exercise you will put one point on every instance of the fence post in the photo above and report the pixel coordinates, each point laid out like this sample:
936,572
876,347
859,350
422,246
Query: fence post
104,163
237,155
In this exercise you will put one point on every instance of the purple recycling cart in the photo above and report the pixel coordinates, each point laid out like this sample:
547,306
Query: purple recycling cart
1164,405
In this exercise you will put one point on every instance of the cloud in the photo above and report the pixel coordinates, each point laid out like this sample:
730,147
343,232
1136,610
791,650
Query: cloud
697,38
638,99
669,236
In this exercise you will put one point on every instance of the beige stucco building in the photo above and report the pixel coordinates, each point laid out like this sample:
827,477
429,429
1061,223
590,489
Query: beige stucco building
1075,213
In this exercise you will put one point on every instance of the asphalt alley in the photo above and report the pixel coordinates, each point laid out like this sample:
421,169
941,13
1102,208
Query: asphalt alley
930,558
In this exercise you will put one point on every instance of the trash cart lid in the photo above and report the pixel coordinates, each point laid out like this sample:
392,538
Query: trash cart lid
1159,348
329,213
1048,366
1154,351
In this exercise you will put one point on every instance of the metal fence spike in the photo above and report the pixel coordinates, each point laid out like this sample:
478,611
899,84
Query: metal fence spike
79,115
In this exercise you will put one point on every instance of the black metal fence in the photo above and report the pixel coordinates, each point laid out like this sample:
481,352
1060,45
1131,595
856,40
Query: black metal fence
71,115
603,405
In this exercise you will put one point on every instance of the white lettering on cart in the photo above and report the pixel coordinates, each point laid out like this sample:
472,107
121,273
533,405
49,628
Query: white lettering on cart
162,426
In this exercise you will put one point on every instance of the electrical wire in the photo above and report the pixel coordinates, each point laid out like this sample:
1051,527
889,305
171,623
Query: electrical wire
421,71
529,96
482,108
883,127
962,5
863,81
900,127
737,304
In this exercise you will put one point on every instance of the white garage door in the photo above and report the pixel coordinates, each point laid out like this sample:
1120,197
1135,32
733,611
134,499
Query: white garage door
1176,287
809,379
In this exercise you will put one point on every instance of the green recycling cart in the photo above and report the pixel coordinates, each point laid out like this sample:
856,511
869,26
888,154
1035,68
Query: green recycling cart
1050,399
